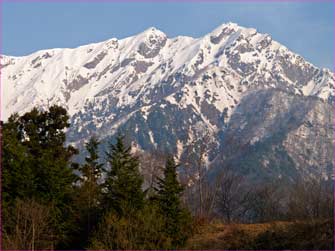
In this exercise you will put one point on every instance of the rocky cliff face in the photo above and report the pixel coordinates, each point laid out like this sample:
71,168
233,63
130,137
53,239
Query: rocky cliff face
259,102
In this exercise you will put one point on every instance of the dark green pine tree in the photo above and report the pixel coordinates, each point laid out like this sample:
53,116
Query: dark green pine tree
17,174
88,196
123,184
176,217
91,173
37,164
43,133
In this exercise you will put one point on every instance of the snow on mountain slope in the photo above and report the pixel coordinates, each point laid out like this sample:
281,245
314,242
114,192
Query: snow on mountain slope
163,91
129,68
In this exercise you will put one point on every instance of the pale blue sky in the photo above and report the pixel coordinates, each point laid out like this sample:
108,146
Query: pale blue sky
304,27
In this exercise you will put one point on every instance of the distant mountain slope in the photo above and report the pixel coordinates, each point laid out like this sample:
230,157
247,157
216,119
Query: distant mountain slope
165,92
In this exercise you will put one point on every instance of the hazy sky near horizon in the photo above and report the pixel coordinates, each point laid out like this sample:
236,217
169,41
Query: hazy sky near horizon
306,28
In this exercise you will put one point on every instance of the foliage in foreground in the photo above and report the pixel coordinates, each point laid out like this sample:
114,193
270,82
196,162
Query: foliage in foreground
50,202
141,230
176,219
37,165
133,222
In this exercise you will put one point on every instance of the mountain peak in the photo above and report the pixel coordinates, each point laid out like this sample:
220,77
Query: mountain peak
229,25
154,31
230,28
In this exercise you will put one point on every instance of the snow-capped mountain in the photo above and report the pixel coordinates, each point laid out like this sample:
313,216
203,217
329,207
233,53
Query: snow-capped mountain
166,92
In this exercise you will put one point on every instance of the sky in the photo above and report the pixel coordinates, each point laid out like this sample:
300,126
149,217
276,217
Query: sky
306,28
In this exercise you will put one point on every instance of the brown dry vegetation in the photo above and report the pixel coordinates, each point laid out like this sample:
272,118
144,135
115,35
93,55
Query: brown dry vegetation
275,235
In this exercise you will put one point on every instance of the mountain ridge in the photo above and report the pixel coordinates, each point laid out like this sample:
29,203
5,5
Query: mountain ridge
165,92
154,33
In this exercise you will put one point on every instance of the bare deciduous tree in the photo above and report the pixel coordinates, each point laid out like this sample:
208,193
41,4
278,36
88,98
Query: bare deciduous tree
265,203
30,227
196,165
232,195
310,199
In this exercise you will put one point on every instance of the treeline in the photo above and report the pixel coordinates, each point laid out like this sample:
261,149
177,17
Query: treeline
49,202
233,199
124,201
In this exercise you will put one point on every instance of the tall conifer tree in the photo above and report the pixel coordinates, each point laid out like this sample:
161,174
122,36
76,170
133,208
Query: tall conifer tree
124,182
168,196
88,199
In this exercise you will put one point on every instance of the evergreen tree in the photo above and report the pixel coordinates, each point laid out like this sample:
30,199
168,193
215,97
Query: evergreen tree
17,174
37,163
43,133
123,184
91,174
176,218
88,197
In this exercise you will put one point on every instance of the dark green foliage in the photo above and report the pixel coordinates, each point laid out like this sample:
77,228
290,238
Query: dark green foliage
17,182
177,219
36,164
88,195
78,211
42,133
123,184
91,172
129,221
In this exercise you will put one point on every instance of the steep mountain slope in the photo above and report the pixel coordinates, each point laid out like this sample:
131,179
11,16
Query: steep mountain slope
284,134
167,93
